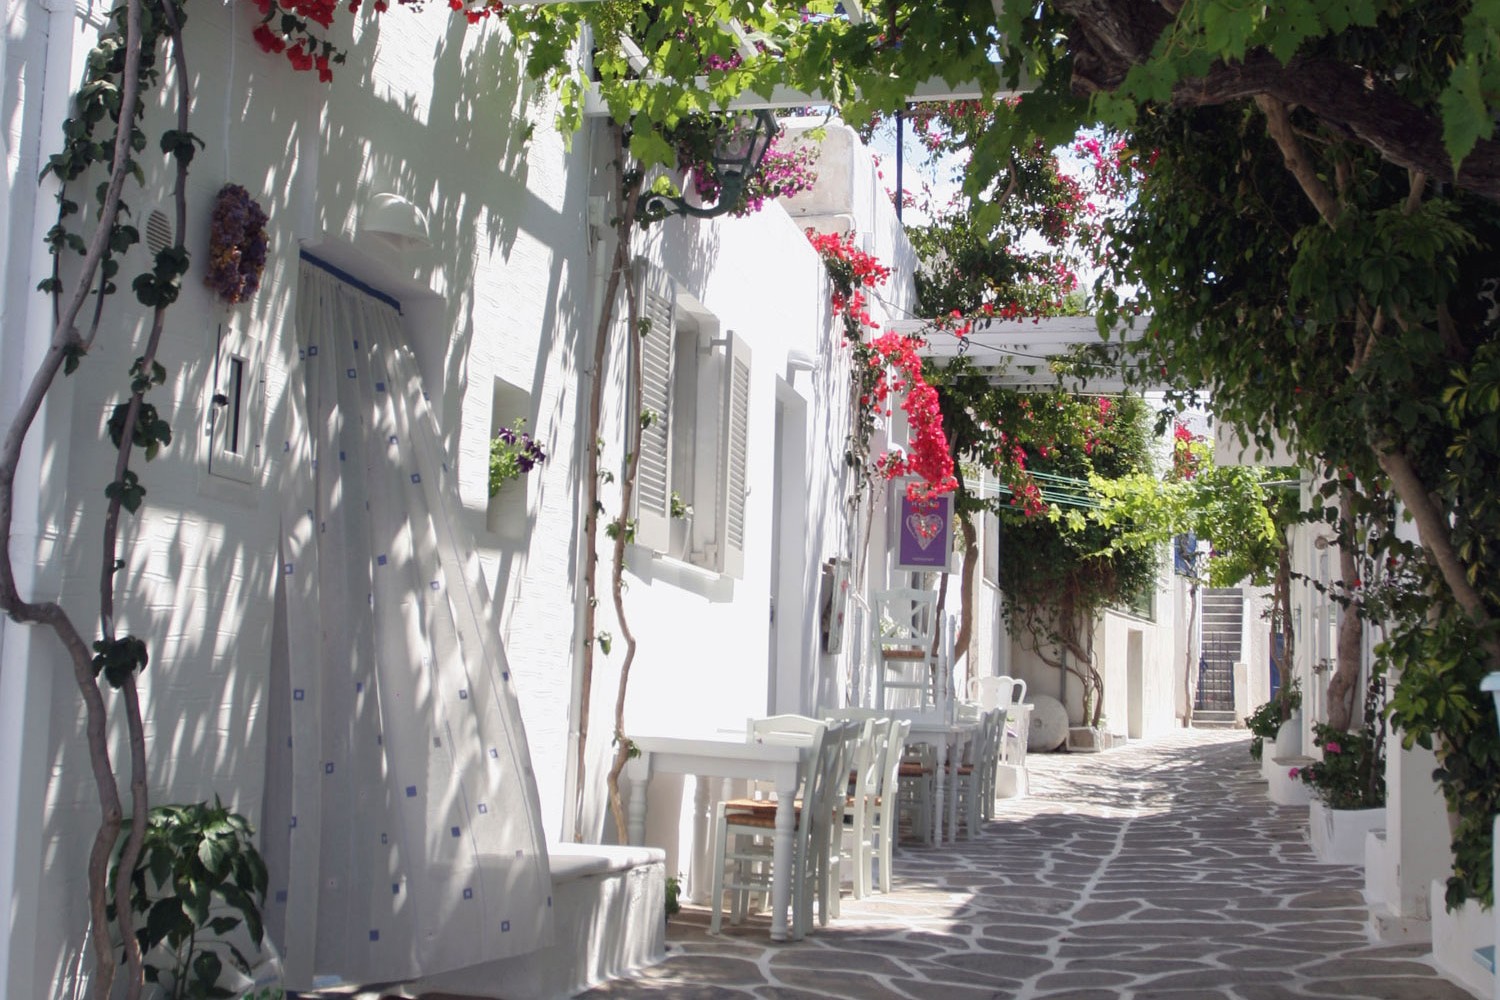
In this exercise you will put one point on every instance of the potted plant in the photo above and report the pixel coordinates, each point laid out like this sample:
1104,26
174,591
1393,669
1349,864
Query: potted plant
513,453
1348,785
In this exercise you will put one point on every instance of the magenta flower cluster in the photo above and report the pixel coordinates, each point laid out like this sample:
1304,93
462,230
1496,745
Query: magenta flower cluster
782,174
237,245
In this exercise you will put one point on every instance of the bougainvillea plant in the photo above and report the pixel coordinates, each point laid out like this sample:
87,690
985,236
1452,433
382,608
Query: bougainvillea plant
237,245
782,174
1019,252
852,272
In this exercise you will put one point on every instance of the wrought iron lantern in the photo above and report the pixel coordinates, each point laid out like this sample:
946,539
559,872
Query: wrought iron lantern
738,151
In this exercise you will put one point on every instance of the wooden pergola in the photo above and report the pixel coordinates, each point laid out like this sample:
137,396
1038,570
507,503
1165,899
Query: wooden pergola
1022,354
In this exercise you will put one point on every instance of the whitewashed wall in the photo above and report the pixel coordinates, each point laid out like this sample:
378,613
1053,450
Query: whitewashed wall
496,296
1158,689
435,115
1139,658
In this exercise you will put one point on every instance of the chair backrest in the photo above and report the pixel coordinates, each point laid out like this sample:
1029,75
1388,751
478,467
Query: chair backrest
895,746
905,619
828,777
869,756
783,728
855,713
994,733
995,692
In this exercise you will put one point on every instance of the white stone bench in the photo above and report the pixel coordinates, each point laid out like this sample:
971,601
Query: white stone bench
608,913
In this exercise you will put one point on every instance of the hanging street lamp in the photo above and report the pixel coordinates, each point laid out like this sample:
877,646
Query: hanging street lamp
737,153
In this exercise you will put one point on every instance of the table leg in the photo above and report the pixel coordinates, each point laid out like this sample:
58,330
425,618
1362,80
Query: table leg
939,809
781,860
954,756
638,771
703,850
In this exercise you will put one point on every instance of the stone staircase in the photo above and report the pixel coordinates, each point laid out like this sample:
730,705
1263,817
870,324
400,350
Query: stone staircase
1222,616
1209,718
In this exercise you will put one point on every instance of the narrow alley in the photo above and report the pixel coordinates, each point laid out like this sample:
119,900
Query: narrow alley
1155,872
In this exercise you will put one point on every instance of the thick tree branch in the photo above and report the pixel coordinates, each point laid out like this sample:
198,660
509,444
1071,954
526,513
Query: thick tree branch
1279,127
1345,680
619,266
1432,530
623,748
1108,37
65,338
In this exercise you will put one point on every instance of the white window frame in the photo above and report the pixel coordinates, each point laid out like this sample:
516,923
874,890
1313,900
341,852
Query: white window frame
236,407
697,442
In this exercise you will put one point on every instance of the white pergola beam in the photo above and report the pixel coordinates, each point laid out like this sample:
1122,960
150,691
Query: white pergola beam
788,97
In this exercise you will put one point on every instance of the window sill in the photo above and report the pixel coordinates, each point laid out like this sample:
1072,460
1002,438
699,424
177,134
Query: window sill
653,566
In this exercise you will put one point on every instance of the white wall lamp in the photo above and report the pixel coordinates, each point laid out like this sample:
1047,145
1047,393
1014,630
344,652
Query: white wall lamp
798,360
396,220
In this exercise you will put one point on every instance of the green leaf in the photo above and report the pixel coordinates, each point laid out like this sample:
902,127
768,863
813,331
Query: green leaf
214,853
206,967
166,920
1466,118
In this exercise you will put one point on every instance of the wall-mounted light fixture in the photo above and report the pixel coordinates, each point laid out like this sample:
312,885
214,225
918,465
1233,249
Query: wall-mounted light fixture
396,219
799,360
738,151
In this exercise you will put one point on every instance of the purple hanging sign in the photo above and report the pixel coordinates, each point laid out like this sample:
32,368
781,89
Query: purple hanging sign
925,532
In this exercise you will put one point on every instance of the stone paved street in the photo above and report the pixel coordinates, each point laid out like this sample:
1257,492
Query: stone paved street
1159,871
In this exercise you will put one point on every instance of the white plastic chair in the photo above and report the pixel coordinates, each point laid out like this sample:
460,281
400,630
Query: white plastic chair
1000,691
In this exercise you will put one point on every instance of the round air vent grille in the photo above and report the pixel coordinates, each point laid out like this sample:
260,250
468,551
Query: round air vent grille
158,232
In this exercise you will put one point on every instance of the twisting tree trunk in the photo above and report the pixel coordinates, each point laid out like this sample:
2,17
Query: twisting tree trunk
1432,523
1350,647
1187,656
66,341
624,749
619,266
966,584
1281,602
139,797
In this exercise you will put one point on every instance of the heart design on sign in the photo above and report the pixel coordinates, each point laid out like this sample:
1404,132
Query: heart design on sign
924,528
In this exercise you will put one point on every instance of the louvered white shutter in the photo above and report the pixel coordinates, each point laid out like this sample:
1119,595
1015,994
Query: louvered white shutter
734,439
653,475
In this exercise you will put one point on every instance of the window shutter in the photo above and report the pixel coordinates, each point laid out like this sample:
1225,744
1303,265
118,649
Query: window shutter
734,437
653,474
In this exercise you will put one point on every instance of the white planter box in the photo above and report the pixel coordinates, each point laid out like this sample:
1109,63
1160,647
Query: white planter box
1282,788
1455,938
1338,835
1289,738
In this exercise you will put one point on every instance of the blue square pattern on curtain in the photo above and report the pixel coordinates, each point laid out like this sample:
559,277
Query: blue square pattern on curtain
403,831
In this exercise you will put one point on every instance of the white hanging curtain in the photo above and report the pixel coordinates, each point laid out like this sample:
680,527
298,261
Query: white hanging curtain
403,833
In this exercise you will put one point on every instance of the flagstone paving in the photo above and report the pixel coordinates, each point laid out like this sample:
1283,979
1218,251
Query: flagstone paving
1158,871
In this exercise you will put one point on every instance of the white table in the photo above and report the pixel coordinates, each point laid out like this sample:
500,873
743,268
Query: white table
947,737
777,762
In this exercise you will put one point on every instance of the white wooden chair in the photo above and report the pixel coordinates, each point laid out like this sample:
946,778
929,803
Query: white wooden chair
914,776
969,777
886,803
991,762
858,838
903,639
746,859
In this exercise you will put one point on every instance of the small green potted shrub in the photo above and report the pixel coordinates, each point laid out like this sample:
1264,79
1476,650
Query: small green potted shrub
196,893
